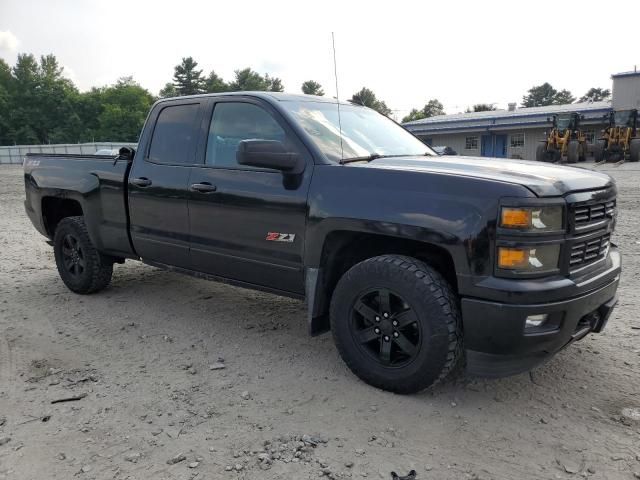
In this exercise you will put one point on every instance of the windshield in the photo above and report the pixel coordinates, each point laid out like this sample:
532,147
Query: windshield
622,119
563,122
365,132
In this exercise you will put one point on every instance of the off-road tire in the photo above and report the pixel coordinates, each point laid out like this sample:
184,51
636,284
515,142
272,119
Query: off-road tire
634,150
98,269
582,156
598,151
573,151
435,306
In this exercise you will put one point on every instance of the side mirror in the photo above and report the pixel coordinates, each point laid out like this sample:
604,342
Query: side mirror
126,153
268,154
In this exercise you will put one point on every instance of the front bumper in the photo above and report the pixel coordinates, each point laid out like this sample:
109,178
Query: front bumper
497,344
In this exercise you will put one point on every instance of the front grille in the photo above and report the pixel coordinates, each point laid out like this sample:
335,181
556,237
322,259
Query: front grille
586,216
589,251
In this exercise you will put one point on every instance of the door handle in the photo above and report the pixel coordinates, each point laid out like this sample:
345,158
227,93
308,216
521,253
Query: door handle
204,187
141,182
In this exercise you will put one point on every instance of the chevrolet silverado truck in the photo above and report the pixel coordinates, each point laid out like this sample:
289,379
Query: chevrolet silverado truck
417,263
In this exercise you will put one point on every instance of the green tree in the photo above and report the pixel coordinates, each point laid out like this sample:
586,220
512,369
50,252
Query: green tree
215,83
247,79
539,96
39,105
482,107
563,97
311,87
41,102
413,115
124,108
274,84
367,98
23,102
596,95
5,87
168,91
431,109
545,94
56,96
187,79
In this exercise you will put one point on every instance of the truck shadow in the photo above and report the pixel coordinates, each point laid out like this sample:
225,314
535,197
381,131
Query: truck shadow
224,318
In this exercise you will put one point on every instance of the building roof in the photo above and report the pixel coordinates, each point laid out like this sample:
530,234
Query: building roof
633,73
501,119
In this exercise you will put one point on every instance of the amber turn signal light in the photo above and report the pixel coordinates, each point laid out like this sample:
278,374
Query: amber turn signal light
516,218
512,257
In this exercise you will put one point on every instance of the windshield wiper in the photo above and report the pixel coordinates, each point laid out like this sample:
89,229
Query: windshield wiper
374,156
366,158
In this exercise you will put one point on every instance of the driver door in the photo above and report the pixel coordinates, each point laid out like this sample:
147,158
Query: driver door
248,224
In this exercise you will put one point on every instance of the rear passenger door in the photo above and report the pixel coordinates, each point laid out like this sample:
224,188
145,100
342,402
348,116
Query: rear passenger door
249,224
158,183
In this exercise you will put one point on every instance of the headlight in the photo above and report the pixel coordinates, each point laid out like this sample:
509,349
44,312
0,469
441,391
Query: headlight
532,219
534,259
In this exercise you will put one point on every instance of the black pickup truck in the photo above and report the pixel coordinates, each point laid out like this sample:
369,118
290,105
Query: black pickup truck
417,263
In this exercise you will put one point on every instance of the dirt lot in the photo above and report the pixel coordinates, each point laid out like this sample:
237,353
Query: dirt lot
284,406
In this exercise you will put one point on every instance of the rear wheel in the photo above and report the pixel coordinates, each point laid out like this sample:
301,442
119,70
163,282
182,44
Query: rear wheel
541,152
598,151
582,157
573,151
81,267
396,323
634,150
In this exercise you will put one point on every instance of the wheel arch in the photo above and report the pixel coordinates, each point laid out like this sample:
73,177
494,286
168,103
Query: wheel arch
342,249
54,209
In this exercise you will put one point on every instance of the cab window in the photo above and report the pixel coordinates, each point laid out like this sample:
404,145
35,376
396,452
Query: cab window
174,135
233,122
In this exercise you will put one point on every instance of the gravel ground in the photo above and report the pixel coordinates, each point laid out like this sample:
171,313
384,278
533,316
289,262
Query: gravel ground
145,358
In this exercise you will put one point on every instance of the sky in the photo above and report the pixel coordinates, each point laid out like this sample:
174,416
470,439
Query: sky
407,52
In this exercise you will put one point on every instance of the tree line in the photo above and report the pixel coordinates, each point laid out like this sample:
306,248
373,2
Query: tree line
39,105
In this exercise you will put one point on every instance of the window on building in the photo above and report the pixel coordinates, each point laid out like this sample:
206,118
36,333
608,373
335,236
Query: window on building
517,140
471,143
174,135
590,135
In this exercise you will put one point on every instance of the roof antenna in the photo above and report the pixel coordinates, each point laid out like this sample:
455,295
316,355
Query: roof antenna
335,73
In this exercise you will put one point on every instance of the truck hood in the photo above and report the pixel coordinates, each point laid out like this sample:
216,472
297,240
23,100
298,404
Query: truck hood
543,179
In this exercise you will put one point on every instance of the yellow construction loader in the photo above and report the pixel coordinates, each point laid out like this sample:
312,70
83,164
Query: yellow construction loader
620,140
565,141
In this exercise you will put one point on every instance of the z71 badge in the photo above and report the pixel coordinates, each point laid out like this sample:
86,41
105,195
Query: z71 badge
281,237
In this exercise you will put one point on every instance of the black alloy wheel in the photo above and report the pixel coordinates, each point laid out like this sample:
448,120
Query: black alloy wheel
386,327
73,255
82,268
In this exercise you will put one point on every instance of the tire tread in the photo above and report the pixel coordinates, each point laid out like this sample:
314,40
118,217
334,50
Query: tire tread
441,292
100,267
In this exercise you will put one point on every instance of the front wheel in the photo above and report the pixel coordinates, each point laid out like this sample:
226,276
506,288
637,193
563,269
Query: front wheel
634,150
573,151
396,323
81,267
598,151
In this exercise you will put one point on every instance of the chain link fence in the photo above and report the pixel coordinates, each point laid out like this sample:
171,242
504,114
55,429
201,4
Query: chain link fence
15,153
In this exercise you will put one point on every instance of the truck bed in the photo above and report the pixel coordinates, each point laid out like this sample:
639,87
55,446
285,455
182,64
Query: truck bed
94,184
